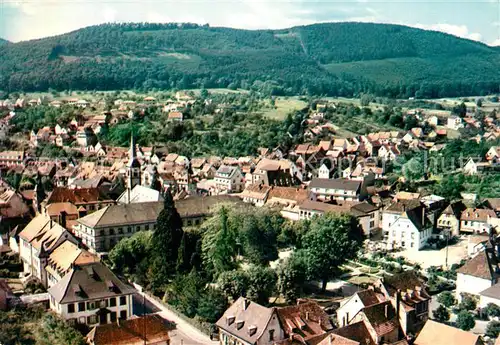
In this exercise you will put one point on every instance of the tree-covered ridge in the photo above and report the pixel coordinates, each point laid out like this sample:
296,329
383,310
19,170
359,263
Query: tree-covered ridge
314,59
3,41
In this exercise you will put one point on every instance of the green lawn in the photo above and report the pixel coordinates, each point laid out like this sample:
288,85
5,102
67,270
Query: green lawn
283,106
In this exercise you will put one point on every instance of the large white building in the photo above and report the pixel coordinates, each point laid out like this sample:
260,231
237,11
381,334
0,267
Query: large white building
37,241
229,179
335,189
405,226
91,294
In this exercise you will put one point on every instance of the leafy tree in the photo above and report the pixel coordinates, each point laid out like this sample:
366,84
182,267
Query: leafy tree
54,331
131,256
492,310
212,305
233,283
261,284
258,235
155,182
166,240
331,240
441,314
493,329
460,110
185,293
465,320
447,299
219,242
468,303
291,276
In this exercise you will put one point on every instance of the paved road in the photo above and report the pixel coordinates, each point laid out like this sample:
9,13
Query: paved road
184,334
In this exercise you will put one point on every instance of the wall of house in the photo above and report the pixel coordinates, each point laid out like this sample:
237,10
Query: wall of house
273,325
82,316
474,226
446,221
348,310
404,234
471,285
484,301
25,254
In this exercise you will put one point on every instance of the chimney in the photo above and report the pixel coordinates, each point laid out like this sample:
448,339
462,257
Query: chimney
246,303
330,339
63,219
398,302
307,316
386,311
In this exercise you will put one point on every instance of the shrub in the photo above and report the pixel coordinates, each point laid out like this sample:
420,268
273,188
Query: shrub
493,329
447,299
465,320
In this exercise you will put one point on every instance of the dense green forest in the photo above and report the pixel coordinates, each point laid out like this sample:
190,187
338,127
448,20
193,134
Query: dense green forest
2,41
338,59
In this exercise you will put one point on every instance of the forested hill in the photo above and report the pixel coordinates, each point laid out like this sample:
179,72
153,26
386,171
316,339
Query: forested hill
342,59
3,41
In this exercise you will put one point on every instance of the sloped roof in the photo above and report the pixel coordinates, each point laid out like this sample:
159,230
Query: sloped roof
357,332
403,281
92,280
131,332
33,228
482,266
246,313
76,196
343,184
309,317
381,322
435,333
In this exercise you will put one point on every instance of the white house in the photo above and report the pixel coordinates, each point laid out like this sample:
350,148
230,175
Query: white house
91,294
404,226
229,179
493,154
477,221
335,189
450,218
454,122
37,240
478,274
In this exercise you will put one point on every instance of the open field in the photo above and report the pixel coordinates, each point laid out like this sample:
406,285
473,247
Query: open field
283,107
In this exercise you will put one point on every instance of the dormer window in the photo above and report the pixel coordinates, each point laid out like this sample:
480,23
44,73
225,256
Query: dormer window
230,320
252,330
240,324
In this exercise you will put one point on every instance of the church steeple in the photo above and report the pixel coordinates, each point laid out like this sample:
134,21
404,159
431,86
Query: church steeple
134,166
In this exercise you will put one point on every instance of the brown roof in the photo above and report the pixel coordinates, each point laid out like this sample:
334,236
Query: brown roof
477,214
131,332
57,208
289,193
482,266
340,183
382,317
76,196
368,297
324,207
493,203
309,317
357,332
435,333
404,281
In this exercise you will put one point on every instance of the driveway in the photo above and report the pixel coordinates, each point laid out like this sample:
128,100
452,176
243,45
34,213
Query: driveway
183,334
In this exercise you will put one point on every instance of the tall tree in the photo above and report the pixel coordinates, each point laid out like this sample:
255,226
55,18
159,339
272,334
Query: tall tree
166,242
291,276
219,242
331,240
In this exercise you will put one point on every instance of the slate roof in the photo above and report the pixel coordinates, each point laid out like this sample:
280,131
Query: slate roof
88,282
343,184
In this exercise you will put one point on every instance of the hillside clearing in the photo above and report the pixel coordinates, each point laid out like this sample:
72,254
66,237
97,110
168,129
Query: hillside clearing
283,106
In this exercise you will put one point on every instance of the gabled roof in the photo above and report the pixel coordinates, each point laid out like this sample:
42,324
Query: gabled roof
484,265
131,332
357,332
244,314
477,214
435,333
307,317
92,281
76,196
407,280
34,227
381,317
